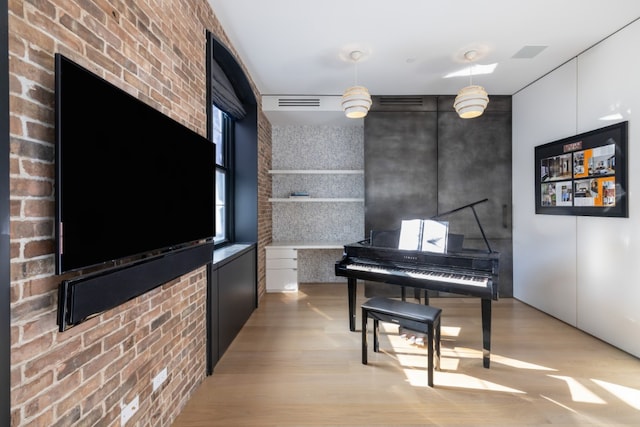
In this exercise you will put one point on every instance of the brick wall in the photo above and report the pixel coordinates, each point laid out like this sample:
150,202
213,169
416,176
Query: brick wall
154,49
265,223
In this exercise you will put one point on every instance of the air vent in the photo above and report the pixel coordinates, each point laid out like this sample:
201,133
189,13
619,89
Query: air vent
301,103
405,101
298,102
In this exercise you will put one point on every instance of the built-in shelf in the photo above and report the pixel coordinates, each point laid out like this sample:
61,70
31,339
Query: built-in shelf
318,171
307,245
315,199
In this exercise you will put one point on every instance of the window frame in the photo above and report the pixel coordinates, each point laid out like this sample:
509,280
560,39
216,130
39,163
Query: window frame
227,139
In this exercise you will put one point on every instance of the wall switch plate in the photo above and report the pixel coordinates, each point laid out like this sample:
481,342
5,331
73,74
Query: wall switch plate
159,379
127,411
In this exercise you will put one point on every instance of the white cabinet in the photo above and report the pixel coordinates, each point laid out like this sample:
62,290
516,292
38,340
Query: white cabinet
282,269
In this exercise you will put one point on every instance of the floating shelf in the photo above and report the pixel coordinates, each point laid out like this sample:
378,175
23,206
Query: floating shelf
315,199
318,171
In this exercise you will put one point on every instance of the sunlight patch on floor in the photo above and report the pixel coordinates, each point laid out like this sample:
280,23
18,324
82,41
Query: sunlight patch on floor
450,331
418,378
579,393
413,360
520,364
320,312
461,353
293,296
562,405
630,396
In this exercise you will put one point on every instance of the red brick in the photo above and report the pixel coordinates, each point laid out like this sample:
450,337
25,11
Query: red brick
37,248
138,49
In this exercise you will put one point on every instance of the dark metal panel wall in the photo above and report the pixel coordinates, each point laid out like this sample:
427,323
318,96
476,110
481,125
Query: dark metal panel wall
400,164
421,160
474,158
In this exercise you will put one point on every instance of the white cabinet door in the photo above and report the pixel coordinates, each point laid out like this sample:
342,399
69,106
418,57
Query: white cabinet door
282,280
282,269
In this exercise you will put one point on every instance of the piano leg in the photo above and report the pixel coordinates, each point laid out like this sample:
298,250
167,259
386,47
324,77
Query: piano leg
364,336
486,332
352,285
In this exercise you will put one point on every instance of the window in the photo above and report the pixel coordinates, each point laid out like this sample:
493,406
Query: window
232,126
223,138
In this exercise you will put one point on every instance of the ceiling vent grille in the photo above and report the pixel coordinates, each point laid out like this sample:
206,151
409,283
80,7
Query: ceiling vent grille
298,102
301,103
406,101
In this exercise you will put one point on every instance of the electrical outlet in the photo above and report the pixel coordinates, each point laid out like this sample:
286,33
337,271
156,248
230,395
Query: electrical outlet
127,411
159,379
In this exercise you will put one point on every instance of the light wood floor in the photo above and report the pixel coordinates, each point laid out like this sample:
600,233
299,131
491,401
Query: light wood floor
295,363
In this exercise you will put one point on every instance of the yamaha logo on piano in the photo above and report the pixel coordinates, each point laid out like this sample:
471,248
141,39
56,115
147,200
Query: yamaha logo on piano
410,258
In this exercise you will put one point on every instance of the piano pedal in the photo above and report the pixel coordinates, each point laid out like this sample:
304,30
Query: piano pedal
411,338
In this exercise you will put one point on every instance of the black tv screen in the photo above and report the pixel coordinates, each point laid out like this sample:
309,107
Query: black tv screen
129,179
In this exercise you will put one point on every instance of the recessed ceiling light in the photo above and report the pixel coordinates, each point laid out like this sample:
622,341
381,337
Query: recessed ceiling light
528,52
610,117
475,70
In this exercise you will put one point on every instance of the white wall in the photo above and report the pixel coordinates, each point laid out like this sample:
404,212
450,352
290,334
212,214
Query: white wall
582,270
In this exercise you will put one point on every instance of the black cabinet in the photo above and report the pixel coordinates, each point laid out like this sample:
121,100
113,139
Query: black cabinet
232,297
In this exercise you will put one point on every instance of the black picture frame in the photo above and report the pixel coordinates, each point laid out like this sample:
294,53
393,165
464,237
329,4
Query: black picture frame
585,174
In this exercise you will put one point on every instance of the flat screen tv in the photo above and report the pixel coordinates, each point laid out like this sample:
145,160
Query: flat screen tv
129,179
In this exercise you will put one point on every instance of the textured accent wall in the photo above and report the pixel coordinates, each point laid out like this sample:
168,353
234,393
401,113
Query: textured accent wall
318,148
155,50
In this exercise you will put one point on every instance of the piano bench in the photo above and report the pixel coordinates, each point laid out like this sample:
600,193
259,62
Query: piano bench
416,317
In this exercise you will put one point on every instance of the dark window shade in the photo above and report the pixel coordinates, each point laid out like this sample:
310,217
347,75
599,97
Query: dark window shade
223,95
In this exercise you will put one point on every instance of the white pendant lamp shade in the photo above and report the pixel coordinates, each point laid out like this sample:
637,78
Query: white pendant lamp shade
356,102
471,101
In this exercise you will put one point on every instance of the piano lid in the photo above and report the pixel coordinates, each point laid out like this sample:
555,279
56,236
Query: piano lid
475,214
391,238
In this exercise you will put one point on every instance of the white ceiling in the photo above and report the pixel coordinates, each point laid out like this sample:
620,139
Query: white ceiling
301,47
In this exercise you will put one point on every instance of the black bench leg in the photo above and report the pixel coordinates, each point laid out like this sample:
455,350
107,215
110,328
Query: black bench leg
365,315
376,335
430,354
437,354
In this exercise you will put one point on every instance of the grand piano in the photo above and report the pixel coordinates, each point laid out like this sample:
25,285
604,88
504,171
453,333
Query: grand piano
471,272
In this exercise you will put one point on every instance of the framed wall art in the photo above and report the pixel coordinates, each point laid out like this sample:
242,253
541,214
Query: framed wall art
584,174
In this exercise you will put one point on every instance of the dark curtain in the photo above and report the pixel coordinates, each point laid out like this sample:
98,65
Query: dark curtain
223,95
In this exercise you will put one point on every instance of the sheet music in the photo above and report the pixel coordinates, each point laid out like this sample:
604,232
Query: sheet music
434,236
424,235
410,234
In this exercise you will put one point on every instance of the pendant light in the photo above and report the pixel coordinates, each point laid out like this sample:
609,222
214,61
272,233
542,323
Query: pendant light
356,100
471,100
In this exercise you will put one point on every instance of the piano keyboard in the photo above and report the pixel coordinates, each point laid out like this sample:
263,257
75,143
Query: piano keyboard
439,276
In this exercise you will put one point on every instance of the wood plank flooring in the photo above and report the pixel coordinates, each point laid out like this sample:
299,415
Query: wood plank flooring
295,363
